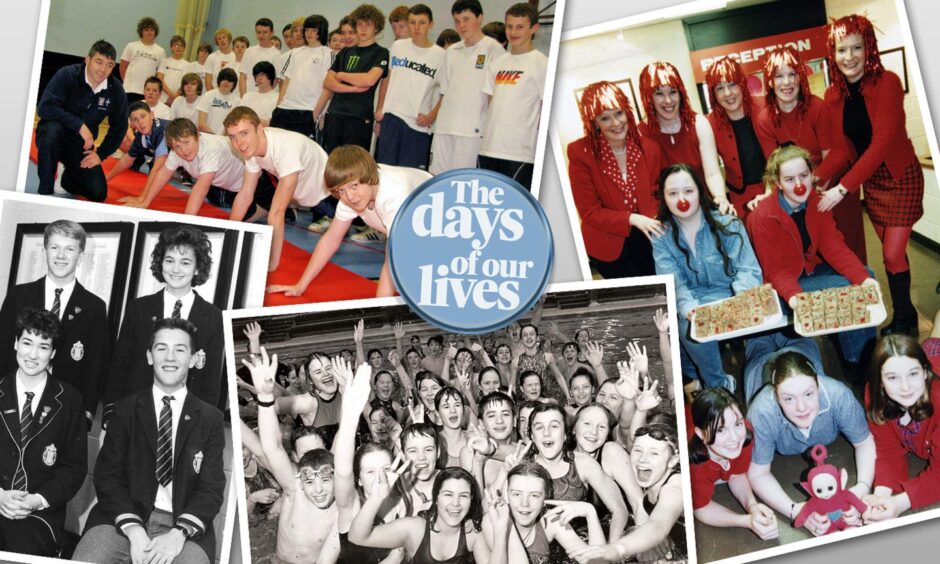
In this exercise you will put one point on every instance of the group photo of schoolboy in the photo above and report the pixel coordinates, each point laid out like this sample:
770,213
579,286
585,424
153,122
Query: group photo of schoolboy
248,130
114,446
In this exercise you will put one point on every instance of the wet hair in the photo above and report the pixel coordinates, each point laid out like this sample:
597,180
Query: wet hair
302,431
496,30
350,163
524,404
419,10
781,155
103,48
425,430
426,375
786,56
366,448
715,227
582,330
176,324
536,470
572,441
316,459
726,69
190,78
542,407
529,373
265,68
847,25
464,5
582,372
449,392
368,12
661,73
39,322
398,14
501,345
436,339
447,37
321,356
790,363
179,236
474,515
227,75
524,10
318,23
65,228
180,128
145,23
597,98
177,39
265,22
660,432
372,351
708,415
495,398
375,377
574,344
487,370
881,408
240,113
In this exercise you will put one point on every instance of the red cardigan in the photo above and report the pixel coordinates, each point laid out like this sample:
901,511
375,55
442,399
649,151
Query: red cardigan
605,219
889,142
779,248
727,144
891,462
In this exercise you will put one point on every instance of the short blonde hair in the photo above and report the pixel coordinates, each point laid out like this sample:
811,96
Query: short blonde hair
347,163
223,31
780,156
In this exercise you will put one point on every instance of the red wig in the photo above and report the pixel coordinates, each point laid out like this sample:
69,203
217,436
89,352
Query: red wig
596,99
848,25
659,74
789,57
727,69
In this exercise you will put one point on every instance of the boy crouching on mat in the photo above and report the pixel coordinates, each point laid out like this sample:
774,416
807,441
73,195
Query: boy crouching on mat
367,190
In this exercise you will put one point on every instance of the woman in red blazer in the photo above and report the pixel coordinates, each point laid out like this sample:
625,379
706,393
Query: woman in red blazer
613,176
884,159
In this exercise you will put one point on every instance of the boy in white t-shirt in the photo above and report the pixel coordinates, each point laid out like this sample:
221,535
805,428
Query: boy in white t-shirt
199,65
217,61
404,98
153,88
516,85
302,85
460,113
217,170
295,160
367,190
264,98
239,47
214,105
172,69
140,59
263,51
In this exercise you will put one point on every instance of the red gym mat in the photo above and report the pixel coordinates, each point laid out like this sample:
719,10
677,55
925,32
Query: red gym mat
333,284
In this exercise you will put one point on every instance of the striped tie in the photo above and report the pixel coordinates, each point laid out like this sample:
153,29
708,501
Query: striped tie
177,309
57,303
165,444
26,421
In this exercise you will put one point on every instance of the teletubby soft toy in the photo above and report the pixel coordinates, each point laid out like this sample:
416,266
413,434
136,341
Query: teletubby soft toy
828,494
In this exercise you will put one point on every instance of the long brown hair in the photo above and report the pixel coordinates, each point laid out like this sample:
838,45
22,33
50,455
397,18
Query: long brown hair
881,408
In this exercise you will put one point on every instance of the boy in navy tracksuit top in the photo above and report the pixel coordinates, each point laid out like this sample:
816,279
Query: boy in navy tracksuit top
74,103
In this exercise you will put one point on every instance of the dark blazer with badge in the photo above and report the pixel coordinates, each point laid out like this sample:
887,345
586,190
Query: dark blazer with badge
55,456
84,343
130,372
125,473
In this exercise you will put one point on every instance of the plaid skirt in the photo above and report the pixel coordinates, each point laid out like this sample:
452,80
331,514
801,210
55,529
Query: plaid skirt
895,203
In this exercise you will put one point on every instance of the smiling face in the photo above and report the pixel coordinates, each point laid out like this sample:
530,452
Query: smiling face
591,429
384,386
786,87
681,195
582,391
422,452
531,387
372,466
651,459
179,268
321,376
33,353
378,425
798,397
245,136
795,181
318,485
513,331
613,124
426,391
570,352
850,57
63,255
187,148
489,382
523,426
666,103
171,356
349,35
904,380
608,396
526,499
728,95
453,502
451,412
98,67
582,337
548,433
497,419
503,354
729,436
530,337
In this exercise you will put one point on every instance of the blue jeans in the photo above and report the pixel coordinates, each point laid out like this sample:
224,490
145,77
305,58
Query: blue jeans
850,342
700,360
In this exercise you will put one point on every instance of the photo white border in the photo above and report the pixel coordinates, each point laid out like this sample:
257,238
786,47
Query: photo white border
27,140
667,281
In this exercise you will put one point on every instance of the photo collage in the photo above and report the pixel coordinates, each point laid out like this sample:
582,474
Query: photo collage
491,281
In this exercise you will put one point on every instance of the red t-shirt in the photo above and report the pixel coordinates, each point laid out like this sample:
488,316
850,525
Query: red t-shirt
706,474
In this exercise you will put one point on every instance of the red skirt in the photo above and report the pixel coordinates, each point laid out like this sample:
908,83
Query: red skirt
895,202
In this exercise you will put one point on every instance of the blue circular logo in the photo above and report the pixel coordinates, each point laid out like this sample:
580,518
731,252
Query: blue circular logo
470,250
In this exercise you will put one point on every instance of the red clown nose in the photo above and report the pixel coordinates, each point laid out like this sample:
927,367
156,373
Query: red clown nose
800,189
683,205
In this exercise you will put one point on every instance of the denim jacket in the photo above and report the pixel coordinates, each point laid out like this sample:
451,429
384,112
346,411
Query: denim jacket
706,281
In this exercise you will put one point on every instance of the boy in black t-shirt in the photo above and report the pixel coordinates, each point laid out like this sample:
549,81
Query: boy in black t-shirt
353,79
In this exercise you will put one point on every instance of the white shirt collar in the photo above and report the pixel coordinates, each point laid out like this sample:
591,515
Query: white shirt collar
94,89
21,390
169,302
64,298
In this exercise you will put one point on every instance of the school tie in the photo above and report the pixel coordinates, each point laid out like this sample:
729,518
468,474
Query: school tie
57,303
26,421
177,309
165,444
